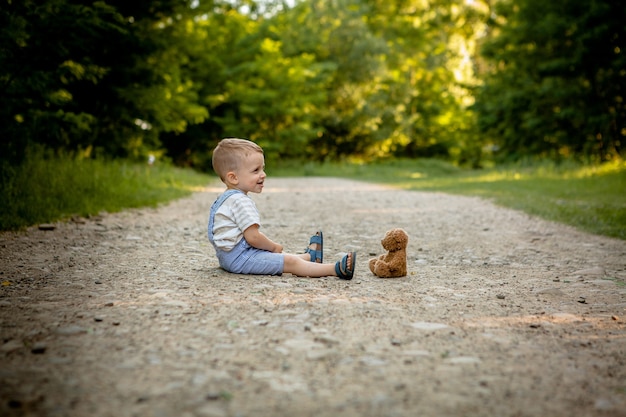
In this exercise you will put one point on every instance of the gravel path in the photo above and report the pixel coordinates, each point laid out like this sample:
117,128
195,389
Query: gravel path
128,314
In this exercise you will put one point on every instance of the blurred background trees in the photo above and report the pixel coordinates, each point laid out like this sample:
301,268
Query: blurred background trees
464,80
554,78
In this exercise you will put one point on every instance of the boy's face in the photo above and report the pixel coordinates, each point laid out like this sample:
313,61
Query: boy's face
250,175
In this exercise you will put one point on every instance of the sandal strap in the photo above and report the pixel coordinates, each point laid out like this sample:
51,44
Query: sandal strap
343,270
316,254
316,239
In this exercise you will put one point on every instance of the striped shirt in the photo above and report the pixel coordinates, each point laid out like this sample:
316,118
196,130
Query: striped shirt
236,214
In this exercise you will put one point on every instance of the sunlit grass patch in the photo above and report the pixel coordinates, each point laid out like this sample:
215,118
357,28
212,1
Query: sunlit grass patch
52,188
589,197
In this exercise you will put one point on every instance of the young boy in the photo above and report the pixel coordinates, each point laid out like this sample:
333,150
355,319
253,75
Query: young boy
234,222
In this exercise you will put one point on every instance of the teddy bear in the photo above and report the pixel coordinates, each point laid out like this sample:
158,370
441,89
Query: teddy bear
393,263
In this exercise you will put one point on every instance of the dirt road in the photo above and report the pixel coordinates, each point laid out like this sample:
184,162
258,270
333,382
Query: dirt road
129,315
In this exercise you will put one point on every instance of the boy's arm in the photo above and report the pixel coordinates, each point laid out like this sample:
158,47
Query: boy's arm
255,238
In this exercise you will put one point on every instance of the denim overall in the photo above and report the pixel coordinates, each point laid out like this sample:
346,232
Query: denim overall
243,258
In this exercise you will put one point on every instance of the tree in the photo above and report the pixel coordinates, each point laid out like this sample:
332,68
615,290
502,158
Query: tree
330,78
428,77
555,86
42,69
83,75
352,116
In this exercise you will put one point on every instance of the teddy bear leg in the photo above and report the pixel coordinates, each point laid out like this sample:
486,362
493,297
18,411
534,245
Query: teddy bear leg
373,265
382,270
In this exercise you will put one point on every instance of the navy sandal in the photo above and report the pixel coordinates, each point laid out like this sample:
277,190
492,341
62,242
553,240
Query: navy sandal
345,270
317,255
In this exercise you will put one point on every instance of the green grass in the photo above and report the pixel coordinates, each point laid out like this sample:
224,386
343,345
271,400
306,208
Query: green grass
44,190
591,198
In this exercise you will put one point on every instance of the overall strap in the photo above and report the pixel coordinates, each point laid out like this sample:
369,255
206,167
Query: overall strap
216,205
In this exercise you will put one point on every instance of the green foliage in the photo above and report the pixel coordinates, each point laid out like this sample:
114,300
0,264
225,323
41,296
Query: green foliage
320,80
555,86
430,43
589,197
390,171
80,75
47,188
324,80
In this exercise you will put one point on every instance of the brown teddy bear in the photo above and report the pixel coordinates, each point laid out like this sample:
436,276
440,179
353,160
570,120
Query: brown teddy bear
393,263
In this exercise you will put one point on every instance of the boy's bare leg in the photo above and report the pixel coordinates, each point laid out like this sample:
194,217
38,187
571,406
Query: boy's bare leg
302,266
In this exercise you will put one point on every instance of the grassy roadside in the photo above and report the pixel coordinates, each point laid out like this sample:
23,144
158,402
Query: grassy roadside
591,198
47,190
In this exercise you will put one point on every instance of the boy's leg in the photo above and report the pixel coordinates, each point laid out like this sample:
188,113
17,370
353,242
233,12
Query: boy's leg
250,260
293,264
302,266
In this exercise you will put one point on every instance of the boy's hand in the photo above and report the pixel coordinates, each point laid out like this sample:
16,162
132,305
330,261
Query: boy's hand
258,240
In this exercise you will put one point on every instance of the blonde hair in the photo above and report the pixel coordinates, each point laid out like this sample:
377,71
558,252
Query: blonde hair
229,152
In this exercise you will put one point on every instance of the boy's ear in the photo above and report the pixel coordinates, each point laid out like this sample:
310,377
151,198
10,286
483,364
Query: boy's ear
231,177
